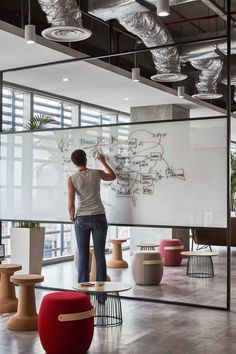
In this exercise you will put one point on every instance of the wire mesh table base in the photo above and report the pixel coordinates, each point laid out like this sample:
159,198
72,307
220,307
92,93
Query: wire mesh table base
147,247
200,267
108,310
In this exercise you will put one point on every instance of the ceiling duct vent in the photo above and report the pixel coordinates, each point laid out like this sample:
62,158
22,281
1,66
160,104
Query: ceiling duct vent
148,27
210,70
65,17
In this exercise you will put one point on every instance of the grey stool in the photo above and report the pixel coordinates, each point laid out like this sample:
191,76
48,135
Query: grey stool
147,267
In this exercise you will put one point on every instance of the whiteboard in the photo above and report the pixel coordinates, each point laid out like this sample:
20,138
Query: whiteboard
168,173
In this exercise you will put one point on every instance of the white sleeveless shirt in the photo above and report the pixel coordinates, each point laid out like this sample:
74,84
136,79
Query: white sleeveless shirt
87,186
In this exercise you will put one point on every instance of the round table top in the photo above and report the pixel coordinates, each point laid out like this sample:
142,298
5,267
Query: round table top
117,240
26,278
10,267
199,253
102,287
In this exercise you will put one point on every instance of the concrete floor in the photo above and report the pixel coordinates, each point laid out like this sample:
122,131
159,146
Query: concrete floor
149,327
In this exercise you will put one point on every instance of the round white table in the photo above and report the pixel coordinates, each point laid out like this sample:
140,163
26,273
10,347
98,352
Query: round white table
106,300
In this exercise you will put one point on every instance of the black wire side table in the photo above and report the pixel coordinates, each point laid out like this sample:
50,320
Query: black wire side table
147,246
200,264
105,298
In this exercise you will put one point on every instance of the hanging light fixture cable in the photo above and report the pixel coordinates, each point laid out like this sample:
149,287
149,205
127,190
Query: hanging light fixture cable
136,69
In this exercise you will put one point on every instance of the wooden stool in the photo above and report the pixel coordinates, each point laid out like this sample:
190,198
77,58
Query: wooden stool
117,259
26,318
8,300
92,276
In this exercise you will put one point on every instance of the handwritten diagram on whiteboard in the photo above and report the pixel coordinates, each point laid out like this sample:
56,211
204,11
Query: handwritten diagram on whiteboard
139,161
163,170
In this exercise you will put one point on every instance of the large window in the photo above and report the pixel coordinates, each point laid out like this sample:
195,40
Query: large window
18,107
64,113
96,116
13,109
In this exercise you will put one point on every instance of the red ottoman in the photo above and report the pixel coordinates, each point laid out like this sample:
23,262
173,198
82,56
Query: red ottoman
170,250
66,323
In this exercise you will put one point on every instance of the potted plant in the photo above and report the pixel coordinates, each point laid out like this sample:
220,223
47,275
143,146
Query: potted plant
27,238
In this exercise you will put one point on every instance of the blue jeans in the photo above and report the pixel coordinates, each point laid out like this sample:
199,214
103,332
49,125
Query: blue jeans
97,224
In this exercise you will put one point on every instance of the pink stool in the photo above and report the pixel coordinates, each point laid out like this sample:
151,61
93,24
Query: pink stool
170,250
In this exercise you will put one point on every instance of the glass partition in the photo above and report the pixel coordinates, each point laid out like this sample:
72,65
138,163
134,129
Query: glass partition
96,94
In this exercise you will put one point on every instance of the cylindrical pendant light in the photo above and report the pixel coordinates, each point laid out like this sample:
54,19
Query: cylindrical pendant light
181,91
163,8
29,29
30,34
136,74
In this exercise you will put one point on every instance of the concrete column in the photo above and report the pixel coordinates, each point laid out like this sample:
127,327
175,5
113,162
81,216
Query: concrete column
153,235
154,113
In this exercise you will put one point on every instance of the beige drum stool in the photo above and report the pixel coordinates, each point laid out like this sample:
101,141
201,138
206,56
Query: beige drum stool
8,300
92,275
117,259
26,318
147,267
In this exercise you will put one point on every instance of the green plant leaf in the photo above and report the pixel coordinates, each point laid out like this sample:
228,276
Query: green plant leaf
28,224
39,121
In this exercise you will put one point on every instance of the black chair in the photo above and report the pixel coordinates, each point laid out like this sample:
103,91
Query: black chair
200,238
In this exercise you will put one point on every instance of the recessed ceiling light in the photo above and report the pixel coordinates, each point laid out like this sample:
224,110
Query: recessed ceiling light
126,98
65,79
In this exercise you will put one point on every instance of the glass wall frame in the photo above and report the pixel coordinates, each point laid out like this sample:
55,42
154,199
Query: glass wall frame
227,307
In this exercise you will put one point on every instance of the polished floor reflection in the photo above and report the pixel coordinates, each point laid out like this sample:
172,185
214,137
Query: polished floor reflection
175,285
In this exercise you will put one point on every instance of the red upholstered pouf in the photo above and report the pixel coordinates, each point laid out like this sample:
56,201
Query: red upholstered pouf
170,250
65,337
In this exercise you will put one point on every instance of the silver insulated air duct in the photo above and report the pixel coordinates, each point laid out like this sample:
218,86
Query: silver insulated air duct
148,27
210,70
65,17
